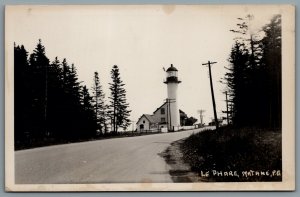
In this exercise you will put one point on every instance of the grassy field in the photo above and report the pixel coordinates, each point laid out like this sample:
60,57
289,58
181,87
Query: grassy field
235,154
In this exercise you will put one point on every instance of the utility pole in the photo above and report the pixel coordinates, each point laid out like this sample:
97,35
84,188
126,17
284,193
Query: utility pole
169,112
212,93
169,101
201,112
227,110
46,103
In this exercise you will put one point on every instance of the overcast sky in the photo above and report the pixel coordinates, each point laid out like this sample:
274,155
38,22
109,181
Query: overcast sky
141,40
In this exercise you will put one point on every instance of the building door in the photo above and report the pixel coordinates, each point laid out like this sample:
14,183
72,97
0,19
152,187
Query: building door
141,127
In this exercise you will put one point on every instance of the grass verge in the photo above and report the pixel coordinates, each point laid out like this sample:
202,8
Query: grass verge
230,154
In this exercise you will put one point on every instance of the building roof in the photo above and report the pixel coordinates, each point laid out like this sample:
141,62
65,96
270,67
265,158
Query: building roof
172,68
182,113
149,117
160,107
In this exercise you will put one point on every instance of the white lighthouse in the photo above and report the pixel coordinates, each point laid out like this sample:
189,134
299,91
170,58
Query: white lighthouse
172,102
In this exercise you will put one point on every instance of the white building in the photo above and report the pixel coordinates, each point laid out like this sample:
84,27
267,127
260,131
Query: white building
167,115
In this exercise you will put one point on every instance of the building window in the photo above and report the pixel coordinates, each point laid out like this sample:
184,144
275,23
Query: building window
162,111
143,121
172,74
163,119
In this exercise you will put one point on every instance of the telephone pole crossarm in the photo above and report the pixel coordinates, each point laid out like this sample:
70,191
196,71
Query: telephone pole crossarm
209,63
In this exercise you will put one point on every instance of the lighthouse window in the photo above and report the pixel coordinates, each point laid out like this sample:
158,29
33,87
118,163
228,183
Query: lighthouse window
172,74
162,111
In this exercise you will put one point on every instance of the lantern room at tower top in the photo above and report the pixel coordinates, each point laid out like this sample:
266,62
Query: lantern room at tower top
172,75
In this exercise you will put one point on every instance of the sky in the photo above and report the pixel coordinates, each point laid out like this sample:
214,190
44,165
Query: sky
141,40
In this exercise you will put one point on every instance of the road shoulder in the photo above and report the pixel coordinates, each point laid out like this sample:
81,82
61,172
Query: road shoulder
179,170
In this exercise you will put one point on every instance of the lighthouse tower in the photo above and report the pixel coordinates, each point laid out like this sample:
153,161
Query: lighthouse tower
172,103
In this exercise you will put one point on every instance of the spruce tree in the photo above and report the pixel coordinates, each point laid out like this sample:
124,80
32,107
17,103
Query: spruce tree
56,95
72,92
89,117
236,79
254,75
118,108
100,107
22,100
272,63
50,104
39,65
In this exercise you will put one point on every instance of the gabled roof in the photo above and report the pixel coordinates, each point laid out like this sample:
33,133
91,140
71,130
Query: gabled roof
182,114
160,107
149,117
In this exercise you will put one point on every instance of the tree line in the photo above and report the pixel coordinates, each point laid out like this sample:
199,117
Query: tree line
253,77
51,105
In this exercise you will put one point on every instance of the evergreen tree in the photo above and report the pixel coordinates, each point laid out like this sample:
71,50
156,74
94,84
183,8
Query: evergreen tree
249,51
254,76
236,80
118,108
89,116
72,102
50,104
22,98
99,105
39,65
272,63
55,98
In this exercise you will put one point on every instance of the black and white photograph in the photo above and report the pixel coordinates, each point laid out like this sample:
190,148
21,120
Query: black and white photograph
149,97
